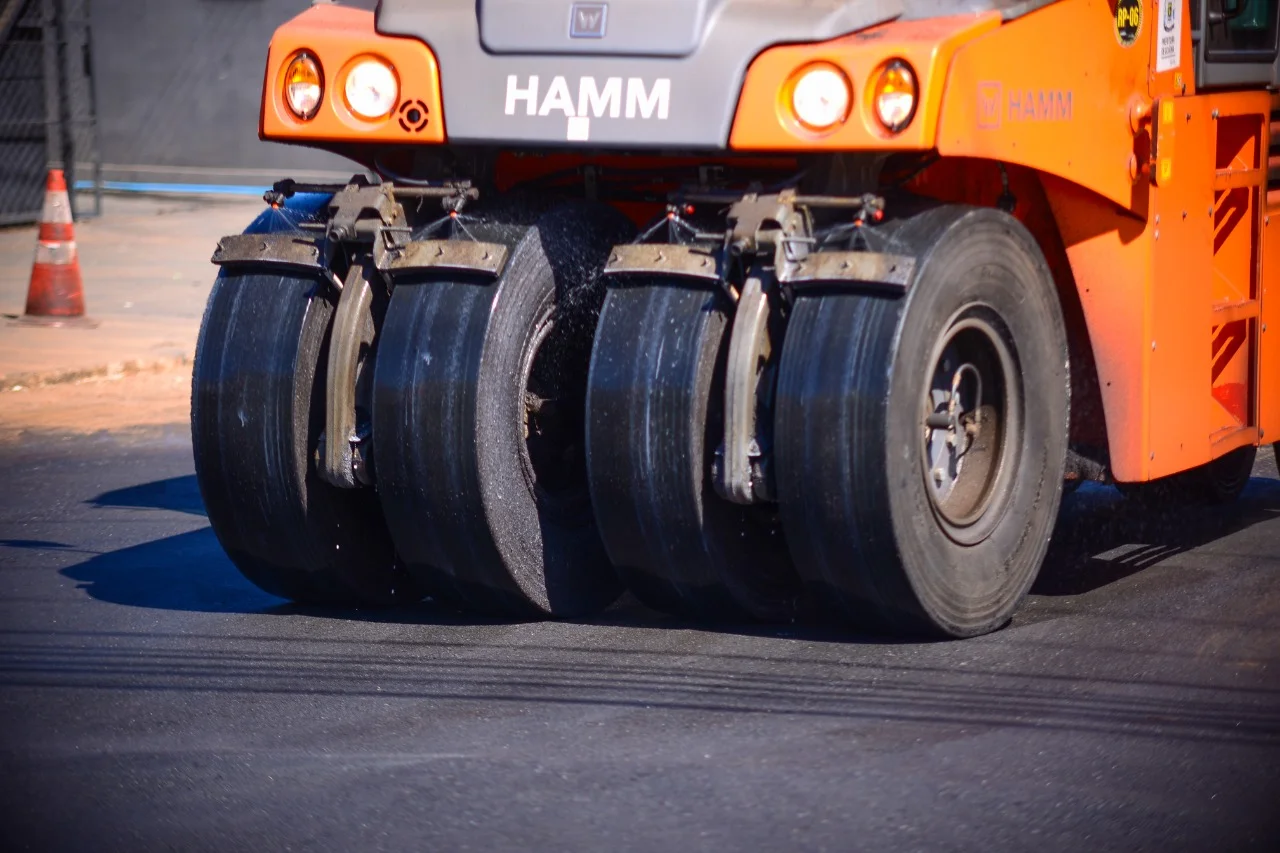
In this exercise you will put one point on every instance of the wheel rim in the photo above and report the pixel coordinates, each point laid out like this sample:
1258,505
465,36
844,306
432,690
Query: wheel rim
553,453
971,420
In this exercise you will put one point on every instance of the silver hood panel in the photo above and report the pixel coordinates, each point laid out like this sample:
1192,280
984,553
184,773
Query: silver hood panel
670,82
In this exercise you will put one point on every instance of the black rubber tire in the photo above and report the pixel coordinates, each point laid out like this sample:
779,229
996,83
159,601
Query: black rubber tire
257,411
654,404
855,503
1215,483
1224,479
468,510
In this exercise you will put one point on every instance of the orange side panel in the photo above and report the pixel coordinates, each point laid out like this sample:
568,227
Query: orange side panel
1269,337
764,123
1053,90
1180,292
337,36
1110,255
1171,298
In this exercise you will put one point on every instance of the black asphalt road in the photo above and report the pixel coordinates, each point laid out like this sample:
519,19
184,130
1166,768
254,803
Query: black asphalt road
150,699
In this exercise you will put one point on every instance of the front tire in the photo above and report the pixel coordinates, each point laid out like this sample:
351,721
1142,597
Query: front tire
886,517
257,410
654,410
478,425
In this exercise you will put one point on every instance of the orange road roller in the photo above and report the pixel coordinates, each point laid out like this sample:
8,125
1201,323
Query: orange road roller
786,310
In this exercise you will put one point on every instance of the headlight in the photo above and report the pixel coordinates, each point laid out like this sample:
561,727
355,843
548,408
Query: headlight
895,94
303,86
821,96
372,90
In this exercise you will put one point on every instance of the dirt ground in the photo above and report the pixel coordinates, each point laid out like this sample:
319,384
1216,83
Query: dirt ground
115,404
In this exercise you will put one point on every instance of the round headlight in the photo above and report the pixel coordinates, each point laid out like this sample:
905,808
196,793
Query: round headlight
895,95
372,89
303,86
821,97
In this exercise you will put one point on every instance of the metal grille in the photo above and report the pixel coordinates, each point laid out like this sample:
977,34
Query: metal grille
47,110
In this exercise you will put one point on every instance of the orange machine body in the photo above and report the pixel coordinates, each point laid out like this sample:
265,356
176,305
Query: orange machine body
338,37
1148,195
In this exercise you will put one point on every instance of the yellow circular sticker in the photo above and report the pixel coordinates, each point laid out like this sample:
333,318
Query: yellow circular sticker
1128,21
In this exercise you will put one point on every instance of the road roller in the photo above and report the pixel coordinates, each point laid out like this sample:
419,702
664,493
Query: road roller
798,310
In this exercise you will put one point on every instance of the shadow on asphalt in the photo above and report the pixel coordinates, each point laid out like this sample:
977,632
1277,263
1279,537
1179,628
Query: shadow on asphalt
180,494
1100,539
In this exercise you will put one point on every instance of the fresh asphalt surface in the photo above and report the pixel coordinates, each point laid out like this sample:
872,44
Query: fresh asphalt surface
152,699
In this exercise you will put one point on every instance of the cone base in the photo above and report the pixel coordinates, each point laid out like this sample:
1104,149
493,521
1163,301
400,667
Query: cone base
79,322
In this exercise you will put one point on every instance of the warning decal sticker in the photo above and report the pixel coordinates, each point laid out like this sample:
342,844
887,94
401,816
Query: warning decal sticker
1128,21
1169,36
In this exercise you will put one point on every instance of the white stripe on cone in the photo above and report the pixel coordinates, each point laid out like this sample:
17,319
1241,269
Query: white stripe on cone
57,208
58,254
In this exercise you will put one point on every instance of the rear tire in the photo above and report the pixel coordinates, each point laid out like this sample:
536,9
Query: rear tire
1215,483
257,411
478,396
654,415
872,526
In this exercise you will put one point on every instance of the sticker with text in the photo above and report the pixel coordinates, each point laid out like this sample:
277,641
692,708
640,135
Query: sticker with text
1169,36
1128,21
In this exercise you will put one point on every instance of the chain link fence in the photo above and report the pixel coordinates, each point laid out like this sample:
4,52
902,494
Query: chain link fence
48,115
141,96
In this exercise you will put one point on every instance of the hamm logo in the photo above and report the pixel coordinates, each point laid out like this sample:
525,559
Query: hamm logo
589,99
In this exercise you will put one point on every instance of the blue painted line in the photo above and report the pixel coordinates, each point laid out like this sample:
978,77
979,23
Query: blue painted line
176,189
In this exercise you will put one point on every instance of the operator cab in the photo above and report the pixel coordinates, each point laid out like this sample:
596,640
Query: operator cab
1236,43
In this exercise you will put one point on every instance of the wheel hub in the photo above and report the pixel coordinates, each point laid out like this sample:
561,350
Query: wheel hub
966,419
953,425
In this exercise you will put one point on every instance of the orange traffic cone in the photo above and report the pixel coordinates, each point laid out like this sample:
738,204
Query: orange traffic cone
55,296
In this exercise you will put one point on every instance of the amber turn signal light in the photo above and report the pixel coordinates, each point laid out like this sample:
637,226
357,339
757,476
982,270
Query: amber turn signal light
894,95
303,86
